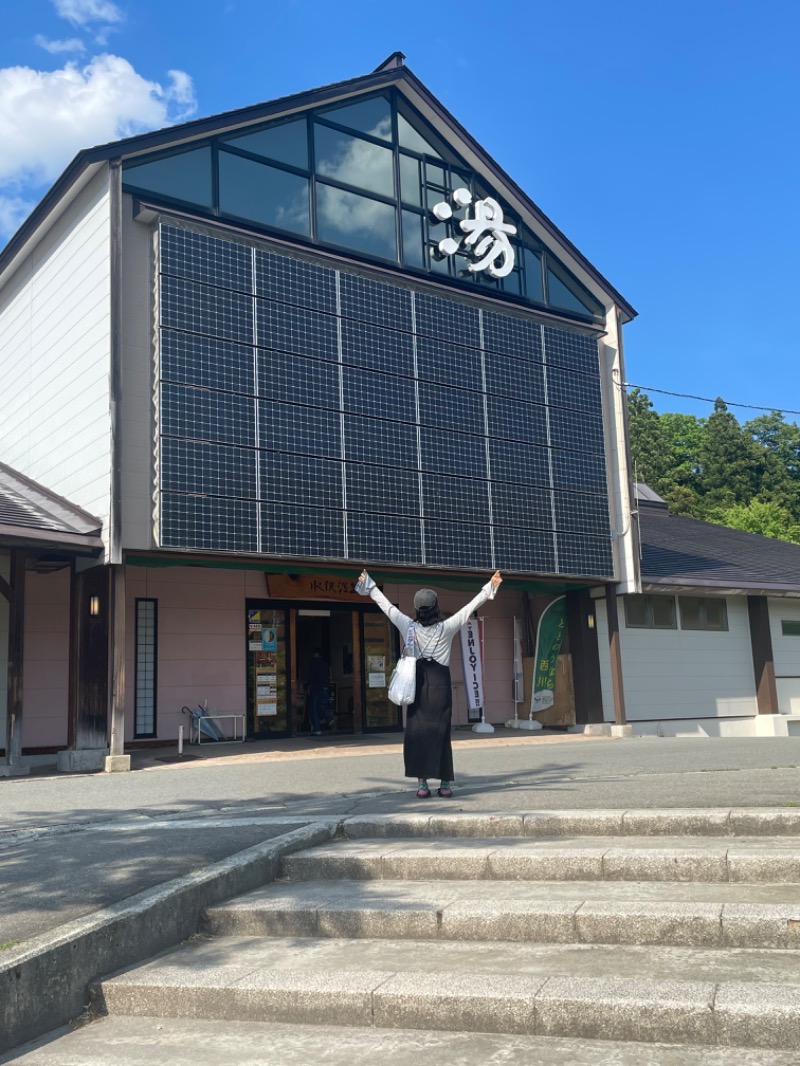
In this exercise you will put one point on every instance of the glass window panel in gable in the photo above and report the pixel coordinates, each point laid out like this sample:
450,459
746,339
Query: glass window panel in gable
367,116
532,262
356,222
560,295
186,177
413,239
263,194
287,143
410,182
409,137
354,161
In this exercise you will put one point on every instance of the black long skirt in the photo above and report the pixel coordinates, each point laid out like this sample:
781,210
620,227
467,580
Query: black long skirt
426,746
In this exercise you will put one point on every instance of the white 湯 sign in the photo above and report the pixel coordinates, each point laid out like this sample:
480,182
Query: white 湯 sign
486,233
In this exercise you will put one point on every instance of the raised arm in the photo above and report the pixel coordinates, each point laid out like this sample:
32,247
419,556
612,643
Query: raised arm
367,587
456,621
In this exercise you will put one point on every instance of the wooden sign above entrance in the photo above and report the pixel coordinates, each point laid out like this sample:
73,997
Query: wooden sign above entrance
312,587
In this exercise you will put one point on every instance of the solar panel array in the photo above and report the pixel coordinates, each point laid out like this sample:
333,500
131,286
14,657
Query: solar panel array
307,411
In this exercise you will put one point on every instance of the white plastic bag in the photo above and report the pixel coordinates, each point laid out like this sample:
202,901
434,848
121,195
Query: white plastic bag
403,682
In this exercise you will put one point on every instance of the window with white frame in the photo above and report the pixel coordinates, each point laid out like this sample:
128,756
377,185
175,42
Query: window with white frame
650,612
790,628
144,719
698,612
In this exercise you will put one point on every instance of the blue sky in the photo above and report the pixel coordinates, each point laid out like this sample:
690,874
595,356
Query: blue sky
662,138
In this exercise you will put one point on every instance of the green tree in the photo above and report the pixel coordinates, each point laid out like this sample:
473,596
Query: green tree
686,434
649,443
778,443
728,472
758,516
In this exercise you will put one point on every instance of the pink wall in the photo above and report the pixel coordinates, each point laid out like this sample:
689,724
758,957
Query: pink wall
45,690
201,642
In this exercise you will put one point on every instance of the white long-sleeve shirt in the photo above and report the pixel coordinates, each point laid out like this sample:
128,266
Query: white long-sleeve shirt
430,642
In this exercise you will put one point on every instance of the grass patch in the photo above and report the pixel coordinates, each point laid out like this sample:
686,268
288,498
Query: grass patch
8,944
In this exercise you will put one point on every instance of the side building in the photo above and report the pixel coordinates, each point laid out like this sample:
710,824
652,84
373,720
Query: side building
270,347
711,646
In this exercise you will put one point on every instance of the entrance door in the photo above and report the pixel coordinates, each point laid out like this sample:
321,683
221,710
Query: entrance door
356,643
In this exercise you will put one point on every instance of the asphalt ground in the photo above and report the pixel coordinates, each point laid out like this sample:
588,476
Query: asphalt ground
70,844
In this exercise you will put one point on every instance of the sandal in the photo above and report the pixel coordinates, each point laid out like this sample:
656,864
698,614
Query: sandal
423,793
446,792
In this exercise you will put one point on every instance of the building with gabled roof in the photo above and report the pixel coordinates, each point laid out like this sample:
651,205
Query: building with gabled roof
711,645
269,347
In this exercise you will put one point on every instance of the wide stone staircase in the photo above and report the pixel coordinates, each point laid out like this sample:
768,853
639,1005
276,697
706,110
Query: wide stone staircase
612,937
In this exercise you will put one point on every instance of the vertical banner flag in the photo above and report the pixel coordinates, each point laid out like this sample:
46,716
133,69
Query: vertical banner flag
518,678
471,635
549,635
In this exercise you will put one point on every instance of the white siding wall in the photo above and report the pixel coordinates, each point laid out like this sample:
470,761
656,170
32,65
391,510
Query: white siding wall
673,674
787,655
54,356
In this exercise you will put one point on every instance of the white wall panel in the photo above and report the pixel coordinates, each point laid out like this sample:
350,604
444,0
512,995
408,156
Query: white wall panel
681,673
54,356
786,651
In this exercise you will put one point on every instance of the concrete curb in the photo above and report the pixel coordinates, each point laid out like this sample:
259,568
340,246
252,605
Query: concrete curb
44,982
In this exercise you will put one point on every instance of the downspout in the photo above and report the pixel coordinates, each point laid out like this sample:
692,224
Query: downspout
116,760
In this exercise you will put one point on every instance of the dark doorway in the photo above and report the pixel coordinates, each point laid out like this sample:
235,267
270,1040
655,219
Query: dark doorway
92,605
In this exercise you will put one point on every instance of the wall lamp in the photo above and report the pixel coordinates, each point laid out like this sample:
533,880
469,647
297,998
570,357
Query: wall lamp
94,606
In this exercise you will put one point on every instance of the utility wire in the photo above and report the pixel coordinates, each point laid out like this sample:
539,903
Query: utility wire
707,399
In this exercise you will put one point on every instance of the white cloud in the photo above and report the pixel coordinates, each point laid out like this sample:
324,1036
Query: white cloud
47,116
81,12
13,211
72,44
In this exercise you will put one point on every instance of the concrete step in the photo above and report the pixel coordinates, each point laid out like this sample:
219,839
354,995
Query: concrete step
729,997
126,1041
716,822
703,915
744,859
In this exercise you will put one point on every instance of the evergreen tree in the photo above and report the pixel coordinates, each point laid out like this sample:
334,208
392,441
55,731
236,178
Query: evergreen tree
728,462
686,434
650,452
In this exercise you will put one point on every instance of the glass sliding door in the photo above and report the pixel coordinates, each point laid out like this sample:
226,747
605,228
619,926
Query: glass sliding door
267,663
380,650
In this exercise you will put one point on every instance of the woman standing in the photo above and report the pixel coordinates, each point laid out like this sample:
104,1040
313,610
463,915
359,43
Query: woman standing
427,750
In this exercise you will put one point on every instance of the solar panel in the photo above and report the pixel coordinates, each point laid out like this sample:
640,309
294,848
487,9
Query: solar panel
308,411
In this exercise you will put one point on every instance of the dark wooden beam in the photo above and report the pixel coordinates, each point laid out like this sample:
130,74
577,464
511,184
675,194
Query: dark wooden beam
16,650
117,658
615,655
6,590
585,658
763,660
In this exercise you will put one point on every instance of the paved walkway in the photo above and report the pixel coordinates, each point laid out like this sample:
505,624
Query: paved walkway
85,841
